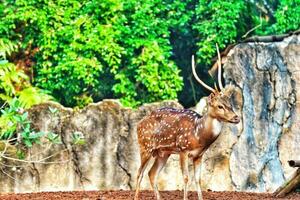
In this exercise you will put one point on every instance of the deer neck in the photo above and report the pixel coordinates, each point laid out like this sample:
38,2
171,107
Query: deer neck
211,126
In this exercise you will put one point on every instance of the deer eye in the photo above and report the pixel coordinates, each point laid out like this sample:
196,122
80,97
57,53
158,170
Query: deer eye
220,107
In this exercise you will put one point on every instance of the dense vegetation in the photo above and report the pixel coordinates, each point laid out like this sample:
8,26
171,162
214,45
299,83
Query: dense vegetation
77,52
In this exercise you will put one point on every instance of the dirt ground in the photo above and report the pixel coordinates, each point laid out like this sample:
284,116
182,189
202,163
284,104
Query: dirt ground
144,195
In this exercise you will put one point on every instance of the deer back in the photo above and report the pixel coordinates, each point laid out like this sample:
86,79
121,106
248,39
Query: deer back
170,130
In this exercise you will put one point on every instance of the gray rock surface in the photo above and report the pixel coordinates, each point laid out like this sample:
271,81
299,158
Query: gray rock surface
109,159
254,155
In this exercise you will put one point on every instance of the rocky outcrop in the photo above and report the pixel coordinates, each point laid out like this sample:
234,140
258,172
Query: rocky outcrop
109,159
254,156
249,156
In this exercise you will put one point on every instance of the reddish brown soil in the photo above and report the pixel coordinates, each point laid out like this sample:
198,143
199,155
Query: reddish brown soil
144,195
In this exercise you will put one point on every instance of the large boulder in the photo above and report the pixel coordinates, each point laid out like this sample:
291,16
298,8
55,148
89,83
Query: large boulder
253,156
109,159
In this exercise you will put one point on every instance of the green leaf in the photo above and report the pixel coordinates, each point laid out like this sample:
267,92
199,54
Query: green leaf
53,110
28,143
20,154
78,138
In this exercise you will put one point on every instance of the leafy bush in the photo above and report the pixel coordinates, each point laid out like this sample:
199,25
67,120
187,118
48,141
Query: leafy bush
84,51
14,82
217,22
288,16
14,125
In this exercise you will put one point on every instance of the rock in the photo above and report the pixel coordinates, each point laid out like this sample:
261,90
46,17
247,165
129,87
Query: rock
109,159
254,155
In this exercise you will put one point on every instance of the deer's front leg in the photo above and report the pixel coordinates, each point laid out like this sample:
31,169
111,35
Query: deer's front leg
197,174
154,172
185,173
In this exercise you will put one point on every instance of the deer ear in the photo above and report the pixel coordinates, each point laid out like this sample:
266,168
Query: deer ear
211,98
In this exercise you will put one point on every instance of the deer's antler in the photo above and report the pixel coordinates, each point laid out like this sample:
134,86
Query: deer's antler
219,69
198,79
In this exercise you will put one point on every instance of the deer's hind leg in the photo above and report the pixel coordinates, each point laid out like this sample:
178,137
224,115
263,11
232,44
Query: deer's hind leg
145,158
159,163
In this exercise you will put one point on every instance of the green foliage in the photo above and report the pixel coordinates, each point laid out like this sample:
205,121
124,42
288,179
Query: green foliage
8,121
30,96
30,137
83,55
17,92
157,79
14,123
14,82
53,111
78,138
6,48
21,154
10,79
138,51
53,138
217,23
288,16
148,73
14,118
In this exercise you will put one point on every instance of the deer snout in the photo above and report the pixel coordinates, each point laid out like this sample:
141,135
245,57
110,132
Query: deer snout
235,119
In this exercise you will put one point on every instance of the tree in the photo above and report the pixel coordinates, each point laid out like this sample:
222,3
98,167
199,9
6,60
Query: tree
84,51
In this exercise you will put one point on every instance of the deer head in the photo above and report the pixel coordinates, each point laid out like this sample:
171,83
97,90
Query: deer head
220,108
219,102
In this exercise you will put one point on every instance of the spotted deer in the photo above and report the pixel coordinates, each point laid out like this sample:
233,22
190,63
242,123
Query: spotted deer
169,131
